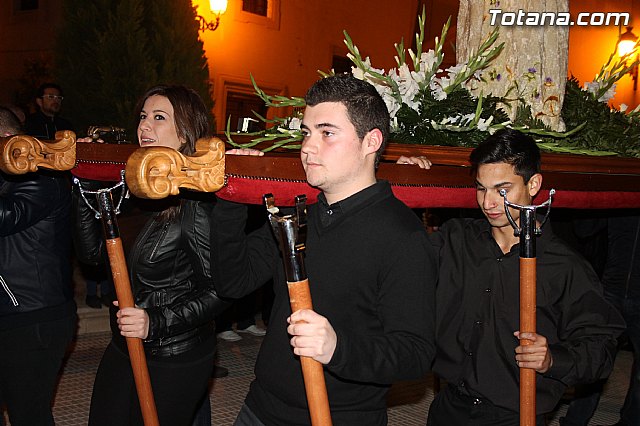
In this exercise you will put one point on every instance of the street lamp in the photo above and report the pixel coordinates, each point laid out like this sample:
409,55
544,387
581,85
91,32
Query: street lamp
626,46
218,7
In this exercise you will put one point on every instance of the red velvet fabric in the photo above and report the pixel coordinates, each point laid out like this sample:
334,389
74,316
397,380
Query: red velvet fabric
98,171
250,191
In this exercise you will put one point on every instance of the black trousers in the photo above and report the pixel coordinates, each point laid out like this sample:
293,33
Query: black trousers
30,359
179,383
450,407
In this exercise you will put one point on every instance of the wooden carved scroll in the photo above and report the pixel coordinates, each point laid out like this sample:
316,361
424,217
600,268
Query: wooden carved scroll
157,172
23,154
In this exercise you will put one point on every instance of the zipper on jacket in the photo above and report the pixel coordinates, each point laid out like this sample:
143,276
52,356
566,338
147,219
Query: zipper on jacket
8,291
163,233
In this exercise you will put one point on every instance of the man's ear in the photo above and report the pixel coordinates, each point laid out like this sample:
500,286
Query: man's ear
39,102
372,141
534,184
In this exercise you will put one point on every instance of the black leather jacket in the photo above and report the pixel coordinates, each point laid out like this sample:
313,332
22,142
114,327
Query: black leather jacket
170,273
35,244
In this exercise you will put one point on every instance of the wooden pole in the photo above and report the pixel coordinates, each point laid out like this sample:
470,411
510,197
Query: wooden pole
125,300
527,310
312,371
528,325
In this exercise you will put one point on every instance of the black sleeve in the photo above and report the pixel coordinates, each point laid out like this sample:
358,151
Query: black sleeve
86,229
240,263
26,200
587,329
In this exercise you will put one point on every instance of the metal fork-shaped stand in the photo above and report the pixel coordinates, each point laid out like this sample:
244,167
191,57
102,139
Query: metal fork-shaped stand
527,231
106,211
291,231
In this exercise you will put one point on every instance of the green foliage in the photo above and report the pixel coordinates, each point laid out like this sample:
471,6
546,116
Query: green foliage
418,127
603,128
108,53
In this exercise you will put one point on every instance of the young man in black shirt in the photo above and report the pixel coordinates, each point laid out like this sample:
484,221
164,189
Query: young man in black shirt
371,272
477,301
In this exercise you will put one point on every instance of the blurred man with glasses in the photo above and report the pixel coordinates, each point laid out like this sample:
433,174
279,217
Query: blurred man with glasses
45,122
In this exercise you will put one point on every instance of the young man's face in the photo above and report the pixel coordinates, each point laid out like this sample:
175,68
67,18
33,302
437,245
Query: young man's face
50,102
334,158
490,179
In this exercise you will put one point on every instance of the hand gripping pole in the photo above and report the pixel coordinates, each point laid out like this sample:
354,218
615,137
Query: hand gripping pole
107,213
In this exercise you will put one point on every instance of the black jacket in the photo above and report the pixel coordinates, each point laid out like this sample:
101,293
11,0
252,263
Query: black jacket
43,127
170,273
35,243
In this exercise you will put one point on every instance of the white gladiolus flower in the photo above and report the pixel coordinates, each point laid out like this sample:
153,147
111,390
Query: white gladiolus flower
357,73
427,60
483,124
436,90
594,87
294,123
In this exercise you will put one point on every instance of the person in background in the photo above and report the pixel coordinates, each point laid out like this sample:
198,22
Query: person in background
370,265
172,282
37,310
97,277
46,121
477,301
242,312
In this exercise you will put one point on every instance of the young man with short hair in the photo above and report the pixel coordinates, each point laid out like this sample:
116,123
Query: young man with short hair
477,300
371,272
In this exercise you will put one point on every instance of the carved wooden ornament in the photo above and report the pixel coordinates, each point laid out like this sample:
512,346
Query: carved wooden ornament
157,172
23,154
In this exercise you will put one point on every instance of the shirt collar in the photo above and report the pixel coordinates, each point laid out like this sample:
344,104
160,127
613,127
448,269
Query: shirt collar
330,213
483,230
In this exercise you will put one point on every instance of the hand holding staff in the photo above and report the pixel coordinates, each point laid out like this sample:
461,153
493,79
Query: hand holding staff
113,243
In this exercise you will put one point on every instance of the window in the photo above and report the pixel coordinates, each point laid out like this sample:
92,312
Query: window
261,12
240,106
236,100
258,7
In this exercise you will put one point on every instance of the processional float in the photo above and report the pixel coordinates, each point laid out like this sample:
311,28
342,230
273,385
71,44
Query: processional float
586,182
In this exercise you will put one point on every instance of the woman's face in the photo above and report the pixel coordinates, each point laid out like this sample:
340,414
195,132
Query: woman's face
157,125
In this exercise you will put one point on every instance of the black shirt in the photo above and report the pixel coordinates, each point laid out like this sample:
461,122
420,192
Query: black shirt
371,273
477,311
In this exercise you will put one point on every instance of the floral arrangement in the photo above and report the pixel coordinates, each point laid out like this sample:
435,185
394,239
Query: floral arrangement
430,106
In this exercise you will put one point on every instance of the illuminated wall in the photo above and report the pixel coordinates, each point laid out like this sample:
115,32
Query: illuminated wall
590,46
284,52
